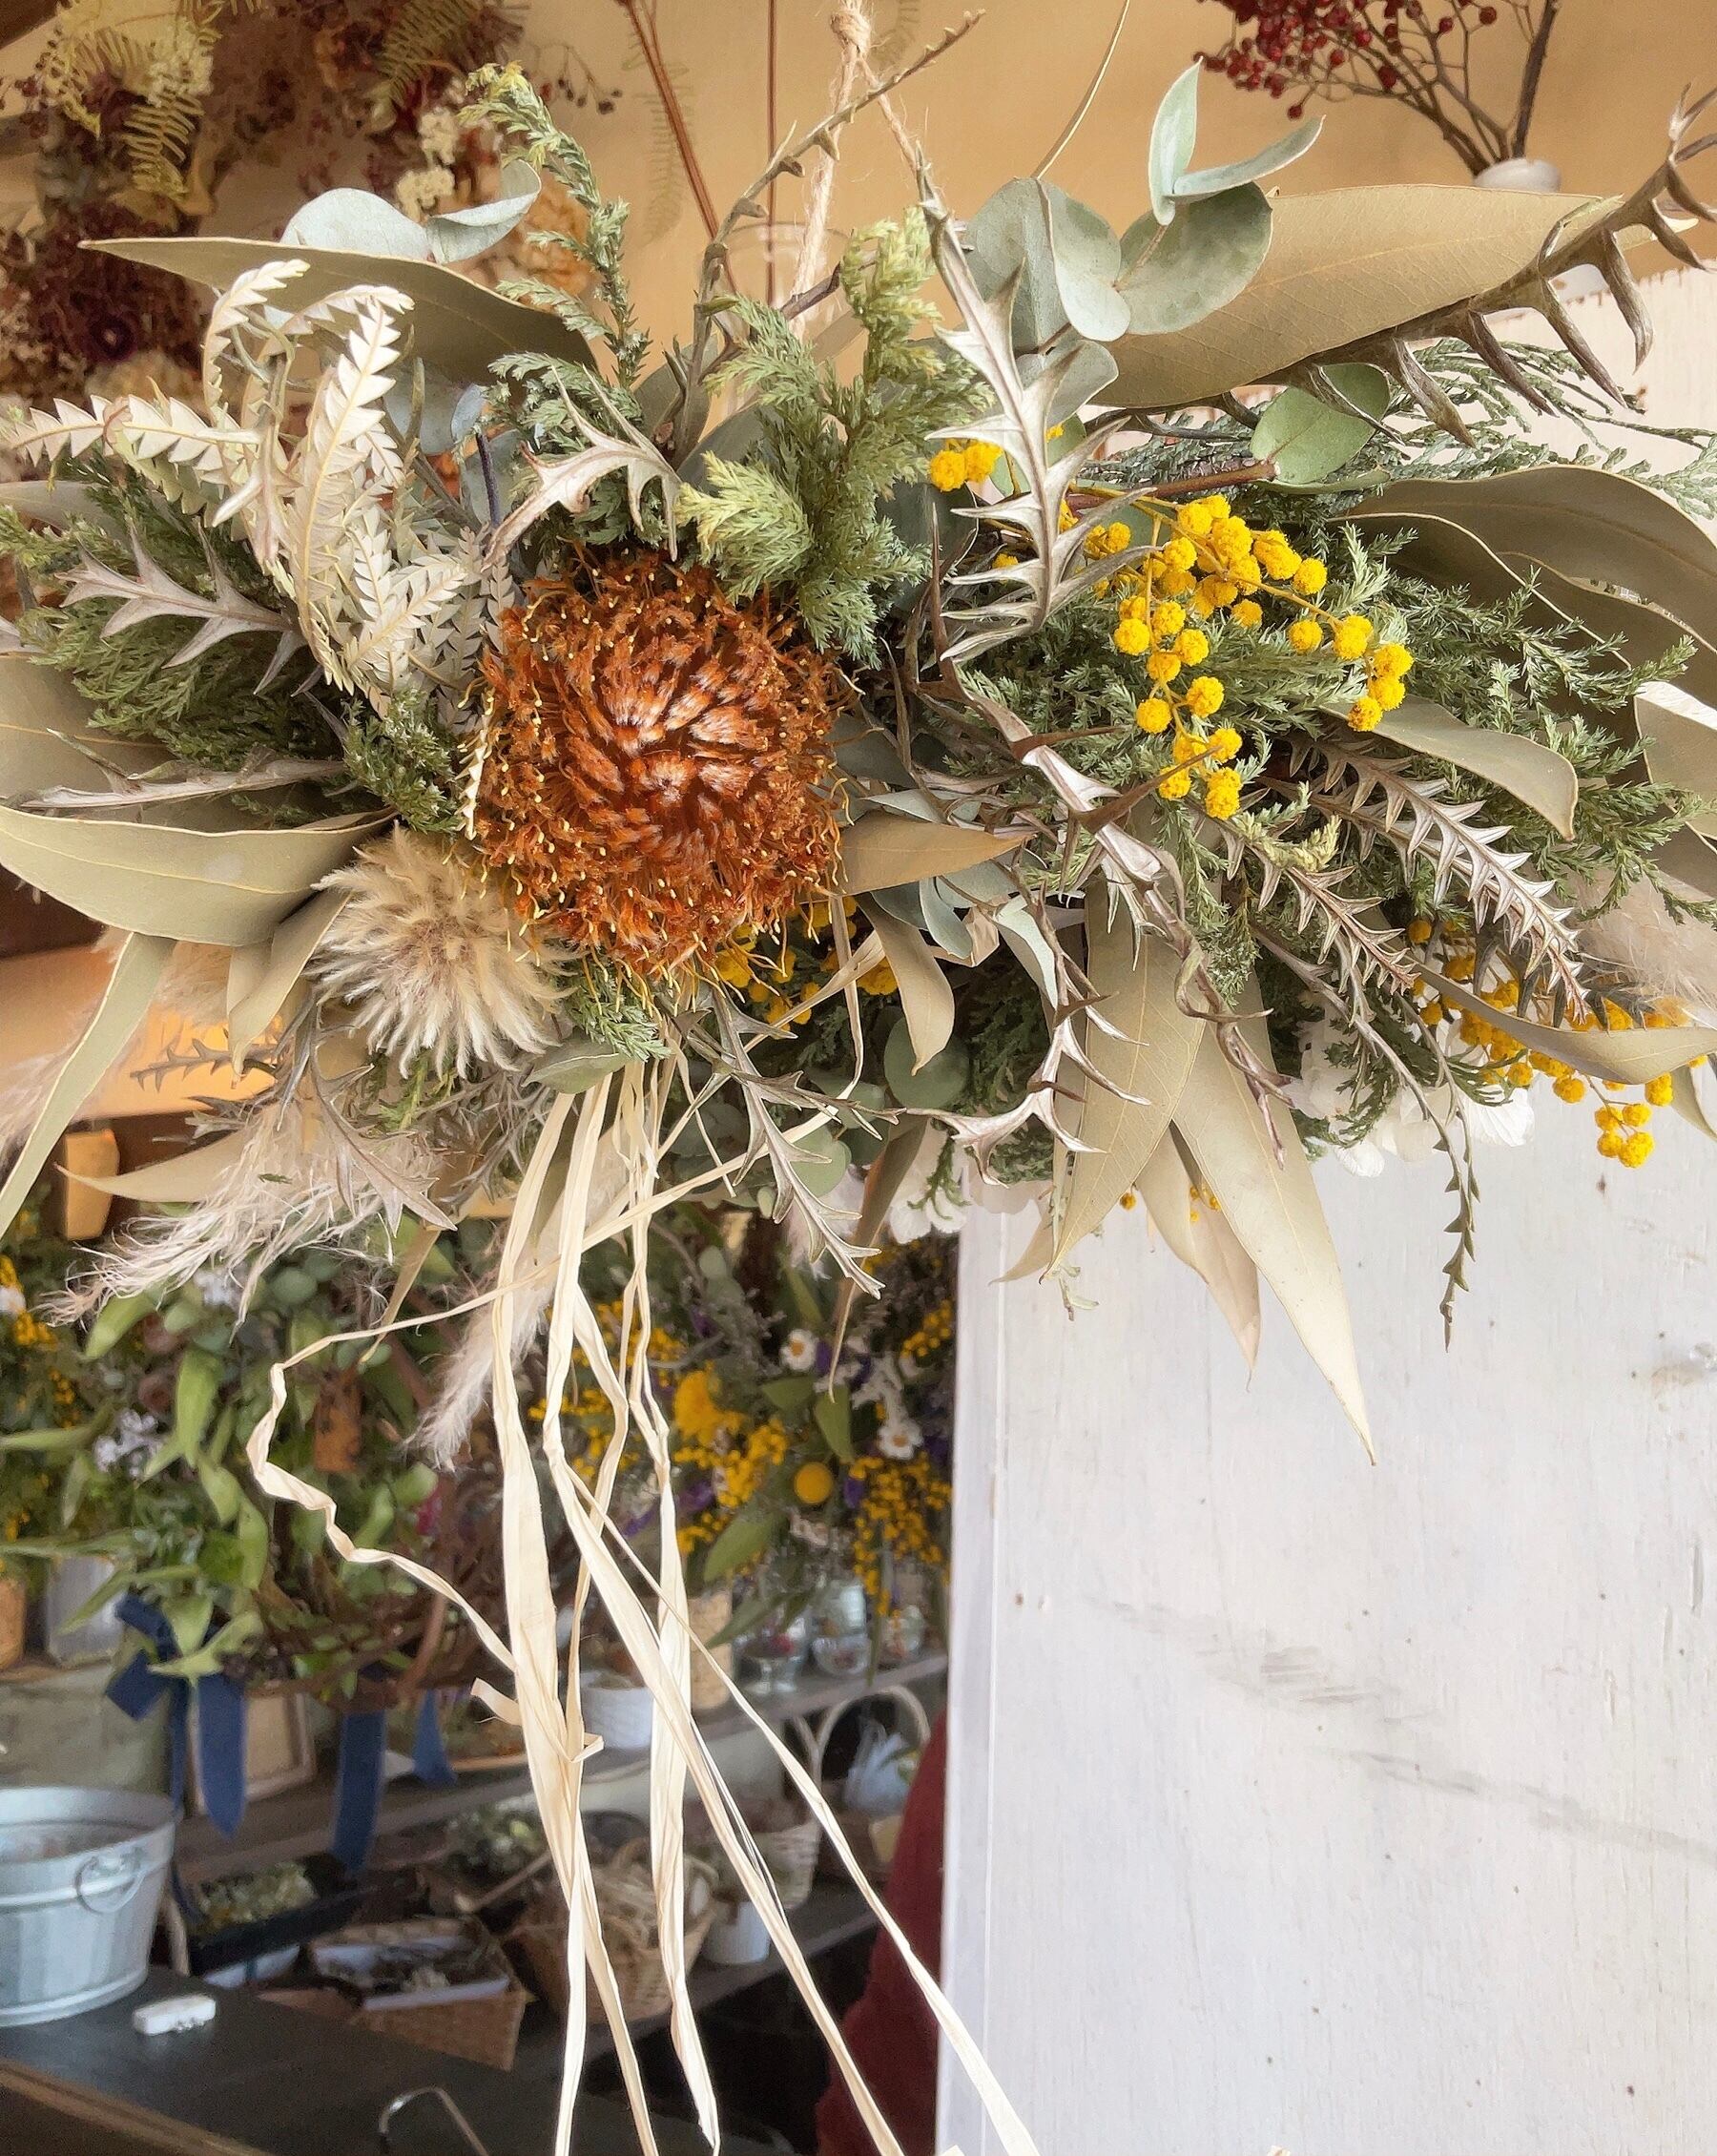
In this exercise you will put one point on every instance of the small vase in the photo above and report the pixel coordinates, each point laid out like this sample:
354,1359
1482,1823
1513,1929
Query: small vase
1522,175
773,1659
15,1613
842,1642
70,1584
906,1620
621,1715
737,1937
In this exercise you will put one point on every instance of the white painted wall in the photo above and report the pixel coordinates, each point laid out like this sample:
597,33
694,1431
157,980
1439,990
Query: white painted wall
1369,1811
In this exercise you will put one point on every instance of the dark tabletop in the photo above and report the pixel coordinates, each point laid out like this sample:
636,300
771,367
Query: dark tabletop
289,2084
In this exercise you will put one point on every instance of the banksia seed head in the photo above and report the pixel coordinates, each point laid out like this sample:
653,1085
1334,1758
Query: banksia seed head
657,772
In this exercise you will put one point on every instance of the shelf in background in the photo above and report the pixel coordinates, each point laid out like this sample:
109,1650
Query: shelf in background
297,1822
833,1914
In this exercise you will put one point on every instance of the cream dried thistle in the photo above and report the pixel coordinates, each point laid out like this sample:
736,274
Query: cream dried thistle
434,961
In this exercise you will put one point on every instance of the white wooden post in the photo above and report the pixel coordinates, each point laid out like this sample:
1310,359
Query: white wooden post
1372,1812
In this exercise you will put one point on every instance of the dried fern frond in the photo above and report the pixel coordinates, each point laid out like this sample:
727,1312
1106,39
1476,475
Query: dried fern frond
425,40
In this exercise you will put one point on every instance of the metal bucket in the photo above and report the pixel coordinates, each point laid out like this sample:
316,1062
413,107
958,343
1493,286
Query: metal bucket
81,1872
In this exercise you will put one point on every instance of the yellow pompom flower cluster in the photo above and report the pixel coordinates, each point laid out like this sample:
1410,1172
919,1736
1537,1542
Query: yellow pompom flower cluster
778,979
962,463
1386,672
1623,1125
898,1518
29,1331
935,1330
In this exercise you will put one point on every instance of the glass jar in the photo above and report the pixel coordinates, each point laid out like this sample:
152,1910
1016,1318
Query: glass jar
772,1660
906,1620
841,1643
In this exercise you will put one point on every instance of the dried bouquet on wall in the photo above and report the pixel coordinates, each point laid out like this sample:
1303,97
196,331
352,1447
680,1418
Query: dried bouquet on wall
135,111
1007,752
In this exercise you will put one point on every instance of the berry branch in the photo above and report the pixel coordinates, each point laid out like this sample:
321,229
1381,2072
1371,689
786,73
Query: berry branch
1394,49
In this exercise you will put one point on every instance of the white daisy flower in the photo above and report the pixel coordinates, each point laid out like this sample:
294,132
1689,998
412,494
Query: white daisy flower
799,1354
899,1438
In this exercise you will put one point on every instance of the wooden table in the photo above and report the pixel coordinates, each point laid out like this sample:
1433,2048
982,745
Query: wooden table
264,2081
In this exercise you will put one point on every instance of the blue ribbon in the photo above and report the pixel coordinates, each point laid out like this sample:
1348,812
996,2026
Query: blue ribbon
430,1761
220,1716
360,1773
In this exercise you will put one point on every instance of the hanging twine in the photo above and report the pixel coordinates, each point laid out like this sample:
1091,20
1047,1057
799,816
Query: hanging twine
851,25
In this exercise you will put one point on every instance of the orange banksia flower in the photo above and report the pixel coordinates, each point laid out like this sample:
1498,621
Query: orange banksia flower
657,774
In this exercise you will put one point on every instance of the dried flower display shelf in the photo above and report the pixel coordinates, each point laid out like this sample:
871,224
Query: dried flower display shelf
295,1822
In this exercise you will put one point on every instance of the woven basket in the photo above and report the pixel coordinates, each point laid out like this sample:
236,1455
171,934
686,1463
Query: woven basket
709,1612
14,1614
484,2029
625,1897
871,1840
790,1856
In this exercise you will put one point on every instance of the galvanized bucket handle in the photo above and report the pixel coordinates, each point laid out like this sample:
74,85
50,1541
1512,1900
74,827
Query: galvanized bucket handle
108,1880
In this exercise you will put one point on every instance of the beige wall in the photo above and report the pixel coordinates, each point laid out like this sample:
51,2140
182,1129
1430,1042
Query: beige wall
994,105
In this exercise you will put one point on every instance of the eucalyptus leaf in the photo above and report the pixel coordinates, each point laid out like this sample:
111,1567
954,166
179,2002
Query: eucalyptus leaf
832,1414
455,324
229,888
49,737
1285,150
1200,1238
1009,236
1142,1069
1086,371
1344,265
1531,771
882,849
1087,261
935,1084
926,996
1632,1057
1178,274
137,968
357,222
574,1066
1307,439
456,235
820,1161
1173,138
1596,526
1263,1183
259,981
1031,946
791,1394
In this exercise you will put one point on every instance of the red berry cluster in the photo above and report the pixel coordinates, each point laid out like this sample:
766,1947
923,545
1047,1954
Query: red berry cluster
1316,46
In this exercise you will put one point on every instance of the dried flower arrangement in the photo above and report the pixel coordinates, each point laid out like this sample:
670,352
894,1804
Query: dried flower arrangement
135,111
137,1456
1414,53
995,756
